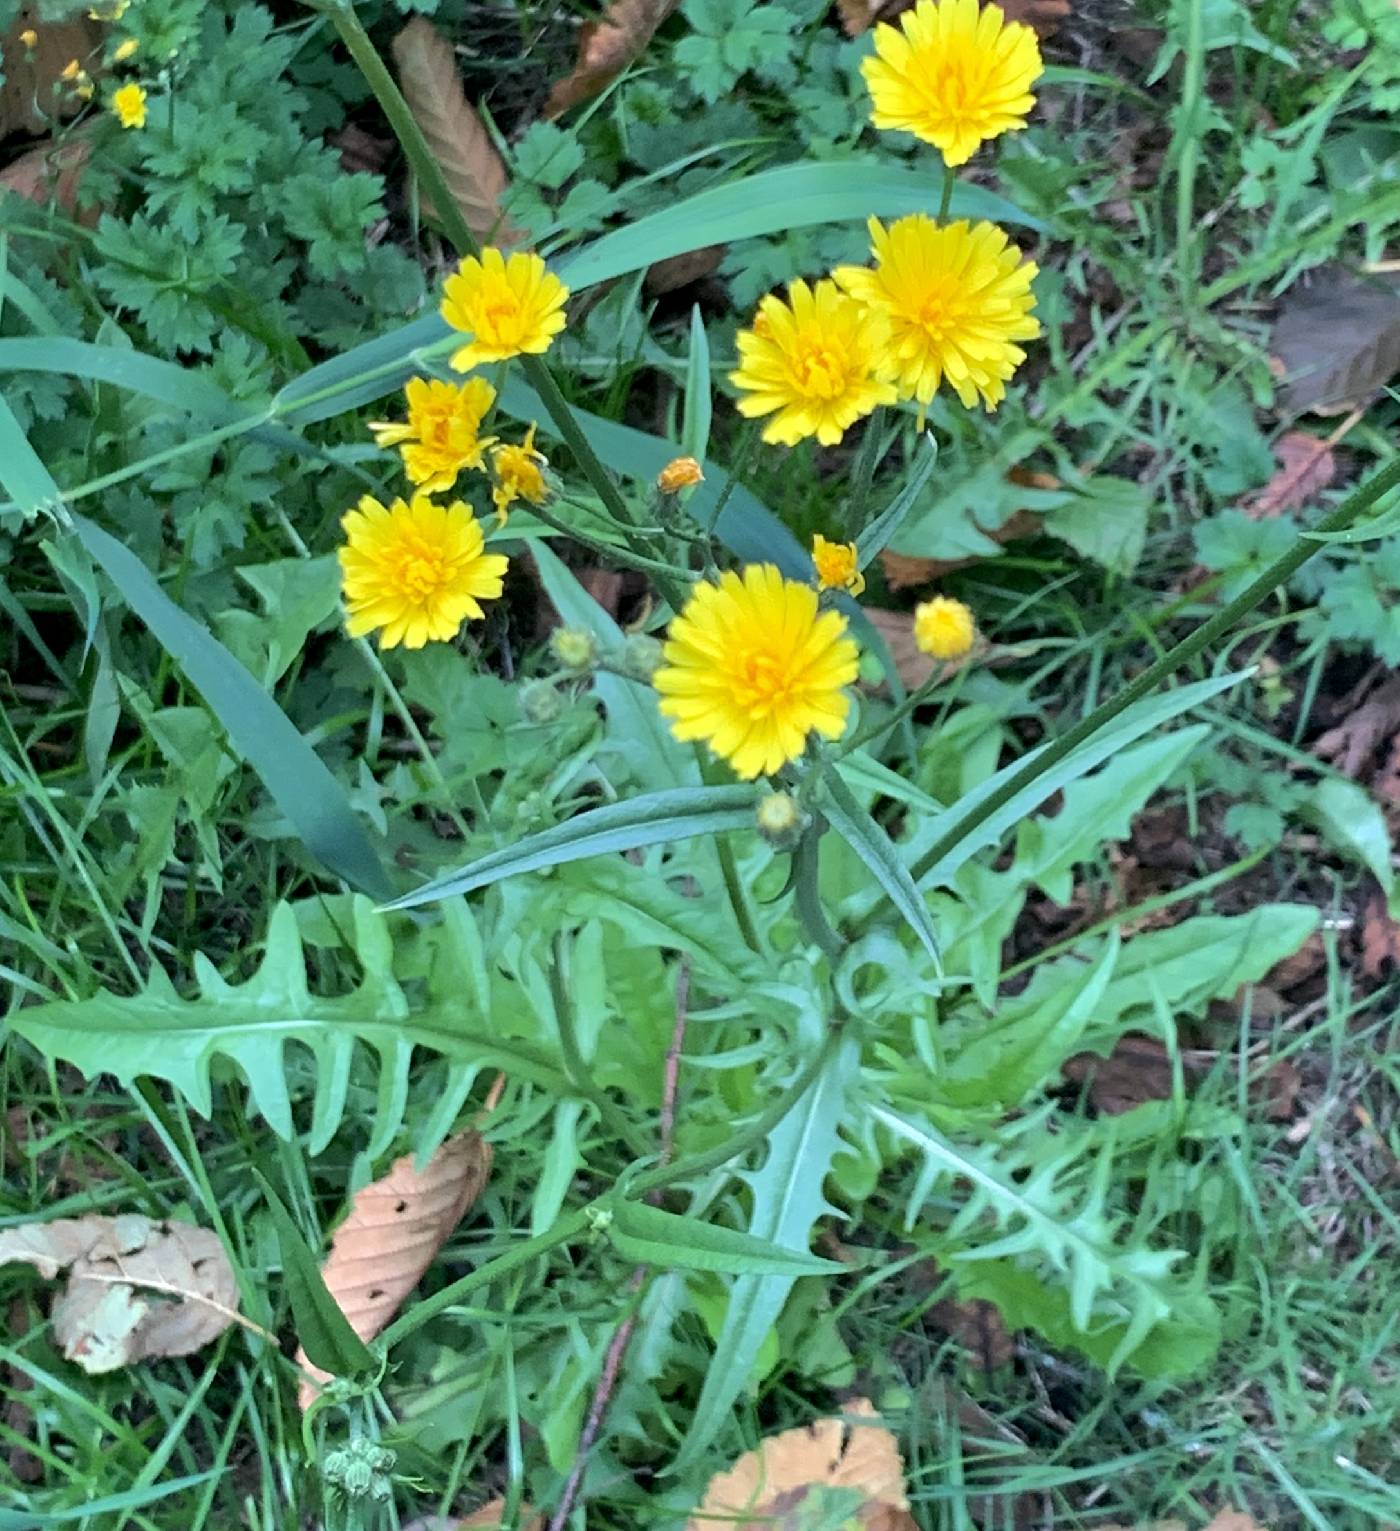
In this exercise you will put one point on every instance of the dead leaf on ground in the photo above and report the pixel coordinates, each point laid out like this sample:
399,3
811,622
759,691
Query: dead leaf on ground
474,171
28,101
765,1488
137,1289
1337,340
1235,1520
978,1327
1306,465
487,1518
904,570
605,48
1380,937
1046,16
1139,1069
1350,745
678,271
51,172
395,1227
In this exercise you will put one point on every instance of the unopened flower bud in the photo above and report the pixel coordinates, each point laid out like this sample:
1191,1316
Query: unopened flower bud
680,473
29,38
540,702
641,656
944,628
125,50
573,647
780,820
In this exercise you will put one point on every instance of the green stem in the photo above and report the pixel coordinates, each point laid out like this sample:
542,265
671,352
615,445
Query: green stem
863,475
893,718
737,466
661,1175
623,556
738,899
946,200
431,179
807,895
1282,569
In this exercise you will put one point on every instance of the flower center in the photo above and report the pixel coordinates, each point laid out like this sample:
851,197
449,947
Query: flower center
503,315
821,372
421,572
762,683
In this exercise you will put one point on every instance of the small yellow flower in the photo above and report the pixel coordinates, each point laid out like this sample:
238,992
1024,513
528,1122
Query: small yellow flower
125,50
837,565
957,298
441,436
84,90
129,104
519,476
753,667
416,571
953,75
71,70
680,473
509,307
816,363
944,628
29,38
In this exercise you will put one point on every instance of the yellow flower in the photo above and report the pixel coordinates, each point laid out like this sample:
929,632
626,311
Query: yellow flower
816,363
441,436
680,473
125,50
508,307
29,38
837,565
129,104
416,570
953,75
944,627
71,70
84,89
956,297
518,475
753,667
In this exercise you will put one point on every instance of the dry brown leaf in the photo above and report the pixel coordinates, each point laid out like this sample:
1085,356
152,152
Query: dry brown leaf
474,171
137,1289
27,98
1235,1520
487,1518
605,48
1369,724
395,1227
1139,1069
1045,16
978,1327
678,271
1337,340
51,171
903,570
1306,466
829,1453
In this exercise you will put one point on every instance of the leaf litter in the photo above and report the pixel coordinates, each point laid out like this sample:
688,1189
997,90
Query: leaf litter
605,48
138,1289
395,1228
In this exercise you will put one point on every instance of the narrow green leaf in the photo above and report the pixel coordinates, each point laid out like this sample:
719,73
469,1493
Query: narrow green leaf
132,1499
699,406
22,473
882,860
323,1331
678,814
881,531
650,1236
297,778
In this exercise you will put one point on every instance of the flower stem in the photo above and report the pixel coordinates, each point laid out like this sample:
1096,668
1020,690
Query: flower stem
1282,569
946,200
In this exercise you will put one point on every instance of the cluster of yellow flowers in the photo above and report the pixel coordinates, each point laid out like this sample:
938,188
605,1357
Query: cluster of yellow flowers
754,666
415,570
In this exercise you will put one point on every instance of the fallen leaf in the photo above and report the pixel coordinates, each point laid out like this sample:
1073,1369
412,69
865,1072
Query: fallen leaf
137,1289
1337,340
1045,16
978,1327
1137,1070
1235,1520
903,570
474,171
1305,468
1380,937
678,271
395,1227
28,101
51,171
605,48
765,1488
487,1518
1350,745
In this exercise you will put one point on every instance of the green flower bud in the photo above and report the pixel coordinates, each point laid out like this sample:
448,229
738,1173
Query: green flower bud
540,702
573,647
780,820
641,656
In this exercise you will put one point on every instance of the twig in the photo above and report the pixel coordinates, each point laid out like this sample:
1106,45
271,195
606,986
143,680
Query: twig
617,1346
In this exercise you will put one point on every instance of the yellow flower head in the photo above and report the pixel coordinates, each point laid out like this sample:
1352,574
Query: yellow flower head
753,667
837,565
944,628
519,475
956,297
416,571
129,104
125,50
509,307
71,70
816,363
953,75
29,38
441,436
680,473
